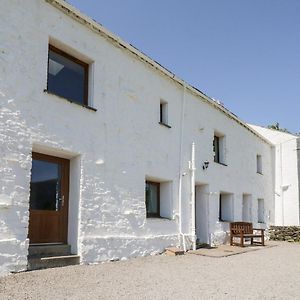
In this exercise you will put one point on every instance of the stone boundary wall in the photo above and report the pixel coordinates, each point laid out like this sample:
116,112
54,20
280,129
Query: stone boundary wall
285,233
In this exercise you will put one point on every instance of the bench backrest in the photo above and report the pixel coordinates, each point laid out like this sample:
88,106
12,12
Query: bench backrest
236,227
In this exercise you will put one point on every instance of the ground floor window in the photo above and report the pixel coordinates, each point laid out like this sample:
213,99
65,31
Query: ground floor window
247,213
152,195
225,207
260,211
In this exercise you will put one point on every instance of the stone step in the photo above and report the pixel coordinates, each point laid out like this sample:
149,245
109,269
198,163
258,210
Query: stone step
36,263
49,250
174,251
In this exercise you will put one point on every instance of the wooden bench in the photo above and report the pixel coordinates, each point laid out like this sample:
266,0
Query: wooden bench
244,230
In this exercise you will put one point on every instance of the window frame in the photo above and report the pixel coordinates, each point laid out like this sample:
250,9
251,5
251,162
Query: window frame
220,208
259,164
231,207
157,214
219,143
161,112
259,212
164,113
216,146
77,61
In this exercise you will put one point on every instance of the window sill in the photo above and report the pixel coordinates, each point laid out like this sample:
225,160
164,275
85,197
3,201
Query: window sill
71,101
259,173
164,124
159,218
222,164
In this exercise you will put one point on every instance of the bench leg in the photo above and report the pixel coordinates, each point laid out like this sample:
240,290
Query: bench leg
242,239
231,240
251,241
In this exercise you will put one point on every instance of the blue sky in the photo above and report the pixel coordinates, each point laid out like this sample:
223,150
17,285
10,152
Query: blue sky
244,53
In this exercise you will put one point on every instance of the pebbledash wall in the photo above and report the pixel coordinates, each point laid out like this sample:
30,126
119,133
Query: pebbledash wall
114,149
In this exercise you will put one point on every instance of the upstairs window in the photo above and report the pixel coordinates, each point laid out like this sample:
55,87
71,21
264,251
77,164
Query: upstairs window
259,164
219,148
67,76
216,146
163,113
152,199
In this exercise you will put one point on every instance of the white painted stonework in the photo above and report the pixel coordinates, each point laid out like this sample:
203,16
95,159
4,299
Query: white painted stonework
287,200
113,150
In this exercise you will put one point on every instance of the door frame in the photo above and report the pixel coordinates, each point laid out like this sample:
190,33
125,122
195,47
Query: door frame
65,184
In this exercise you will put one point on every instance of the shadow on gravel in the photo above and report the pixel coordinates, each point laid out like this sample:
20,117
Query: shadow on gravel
227,250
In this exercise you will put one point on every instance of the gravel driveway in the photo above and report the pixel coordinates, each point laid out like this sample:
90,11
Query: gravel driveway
270,273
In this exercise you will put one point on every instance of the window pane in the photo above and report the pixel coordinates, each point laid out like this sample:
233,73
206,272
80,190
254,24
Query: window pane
259,164
163,113
66,78
216,149
45,186
151,198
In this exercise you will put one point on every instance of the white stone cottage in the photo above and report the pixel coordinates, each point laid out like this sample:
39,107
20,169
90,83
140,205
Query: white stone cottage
105,150
287,175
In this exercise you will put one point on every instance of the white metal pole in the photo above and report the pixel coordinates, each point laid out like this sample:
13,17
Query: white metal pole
193,168
180,170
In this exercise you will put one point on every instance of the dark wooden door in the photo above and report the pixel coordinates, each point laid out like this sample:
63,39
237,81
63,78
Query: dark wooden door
49,199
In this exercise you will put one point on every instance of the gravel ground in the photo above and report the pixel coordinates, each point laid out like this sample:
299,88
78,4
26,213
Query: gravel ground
270,273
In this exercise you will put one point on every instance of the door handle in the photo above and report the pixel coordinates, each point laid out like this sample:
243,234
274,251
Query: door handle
62,201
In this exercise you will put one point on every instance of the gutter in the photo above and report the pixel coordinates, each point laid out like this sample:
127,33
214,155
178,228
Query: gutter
78,16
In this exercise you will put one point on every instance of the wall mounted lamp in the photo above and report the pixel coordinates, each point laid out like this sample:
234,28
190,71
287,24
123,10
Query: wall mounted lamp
205,165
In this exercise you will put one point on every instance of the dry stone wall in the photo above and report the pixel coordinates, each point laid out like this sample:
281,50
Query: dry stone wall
285,233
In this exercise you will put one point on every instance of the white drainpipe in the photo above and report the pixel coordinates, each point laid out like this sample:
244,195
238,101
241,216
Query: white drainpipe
193,169
281,186
180,170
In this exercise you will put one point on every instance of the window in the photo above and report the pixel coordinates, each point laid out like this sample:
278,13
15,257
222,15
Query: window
225,207
152,199
260,211
246,213
163,113
216,149
219,149
259,164
67,76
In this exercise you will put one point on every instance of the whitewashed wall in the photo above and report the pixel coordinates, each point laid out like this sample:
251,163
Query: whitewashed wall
114,149
238,177
286,175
